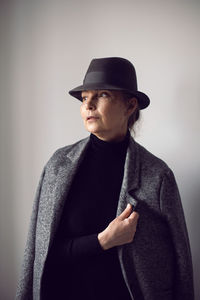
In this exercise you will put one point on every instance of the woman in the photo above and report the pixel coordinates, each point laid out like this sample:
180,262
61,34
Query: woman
107,220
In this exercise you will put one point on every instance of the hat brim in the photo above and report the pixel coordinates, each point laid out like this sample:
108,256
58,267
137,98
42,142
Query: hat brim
143,99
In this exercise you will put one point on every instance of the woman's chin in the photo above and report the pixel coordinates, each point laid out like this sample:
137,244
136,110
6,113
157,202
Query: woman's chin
93,128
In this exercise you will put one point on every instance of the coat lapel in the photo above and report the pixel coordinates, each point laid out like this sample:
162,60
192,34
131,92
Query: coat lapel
61,183
131,177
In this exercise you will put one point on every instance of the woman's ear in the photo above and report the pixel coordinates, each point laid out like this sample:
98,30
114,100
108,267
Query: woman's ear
132,105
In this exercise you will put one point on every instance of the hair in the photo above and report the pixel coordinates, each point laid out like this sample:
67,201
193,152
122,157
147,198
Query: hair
134,117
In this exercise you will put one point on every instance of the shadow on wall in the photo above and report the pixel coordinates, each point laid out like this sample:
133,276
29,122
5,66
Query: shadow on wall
7,212
186,116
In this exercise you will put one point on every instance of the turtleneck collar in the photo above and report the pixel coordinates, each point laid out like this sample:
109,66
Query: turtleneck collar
117,148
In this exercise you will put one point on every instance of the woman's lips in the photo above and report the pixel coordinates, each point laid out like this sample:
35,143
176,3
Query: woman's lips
92,118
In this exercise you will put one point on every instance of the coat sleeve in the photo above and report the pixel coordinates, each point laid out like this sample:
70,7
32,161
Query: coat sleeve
25,285
171,207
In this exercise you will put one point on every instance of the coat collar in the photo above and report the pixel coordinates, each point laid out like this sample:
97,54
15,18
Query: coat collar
131,168
77,151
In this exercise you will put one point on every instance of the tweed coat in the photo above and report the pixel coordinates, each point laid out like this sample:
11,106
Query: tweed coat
157,264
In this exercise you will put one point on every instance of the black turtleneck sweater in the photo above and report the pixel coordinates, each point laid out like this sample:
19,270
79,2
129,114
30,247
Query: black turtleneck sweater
77,267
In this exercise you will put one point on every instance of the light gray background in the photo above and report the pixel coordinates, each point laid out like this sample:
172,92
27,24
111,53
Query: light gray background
46,47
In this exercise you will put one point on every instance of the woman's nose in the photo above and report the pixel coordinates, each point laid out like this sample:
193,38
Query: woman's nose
90,103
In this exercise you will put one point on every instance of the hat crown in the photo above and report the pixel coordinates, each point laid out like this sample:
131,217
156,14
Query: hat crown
114,71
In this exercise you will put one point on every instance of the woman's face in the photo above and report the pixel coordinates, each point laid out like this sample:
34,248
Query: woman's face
105,113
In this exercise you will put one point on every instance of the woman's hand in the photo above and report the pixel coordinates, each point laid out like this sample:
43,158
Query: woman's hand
121,230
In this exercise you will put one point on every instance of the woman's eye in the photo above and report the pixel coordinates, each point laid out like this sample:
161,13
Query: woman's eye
104,95
84,98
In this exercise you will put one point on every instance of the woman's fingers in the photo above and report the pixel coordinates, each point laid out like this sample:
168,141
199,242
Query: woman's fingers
121,230
134,216
126,213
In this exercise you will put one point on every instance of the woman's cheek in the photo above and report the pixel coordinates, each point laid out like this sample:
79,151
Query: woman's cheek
82,111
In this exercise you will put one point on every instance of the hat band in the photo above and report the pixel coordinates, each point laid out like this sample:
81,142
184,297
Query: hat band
108,79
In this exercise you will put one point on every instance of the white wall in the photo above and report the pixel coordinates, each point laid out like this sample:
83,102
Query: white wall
46,47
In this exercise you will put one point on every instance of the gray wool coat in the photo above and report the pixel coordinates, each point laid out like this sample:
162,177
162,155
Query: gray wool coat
157,264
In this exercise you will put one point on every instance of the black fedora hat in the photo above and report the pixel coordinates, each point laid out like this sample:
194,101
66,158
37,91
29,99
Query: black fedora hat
111,73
